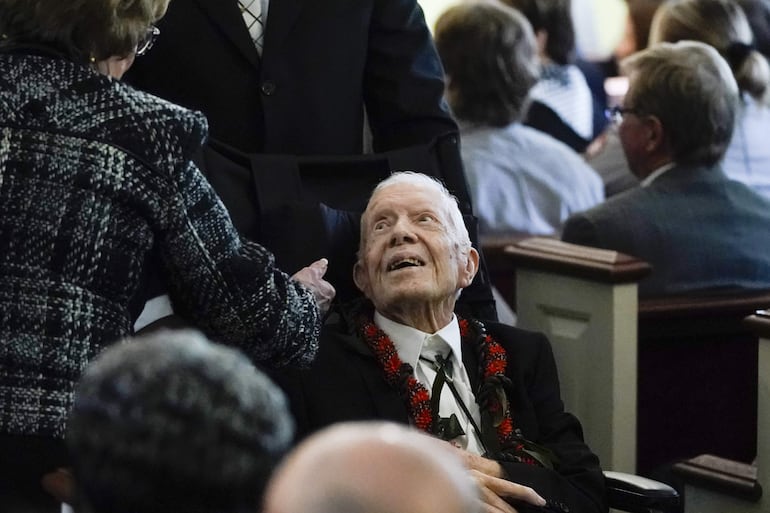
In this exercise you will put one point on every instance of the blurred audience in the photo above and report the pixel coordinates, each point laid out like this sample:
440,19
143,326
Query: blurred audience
723,25
698,228
522,181
372,467
561,100
171,423
490,389
94,178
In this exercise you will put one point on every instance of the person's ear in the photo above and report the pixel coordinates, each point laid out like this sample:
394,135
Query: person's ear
541,38
656,134
114,66
361,278
471,268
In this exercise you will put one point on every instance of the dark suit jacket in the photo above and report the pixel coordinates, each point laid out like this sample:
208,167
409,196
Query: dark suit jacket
346,383
322,60
697,228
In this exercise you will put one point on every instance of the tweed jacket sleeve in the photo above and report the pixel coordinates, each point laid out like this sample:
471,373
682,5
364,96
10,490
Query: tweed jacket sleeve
228,287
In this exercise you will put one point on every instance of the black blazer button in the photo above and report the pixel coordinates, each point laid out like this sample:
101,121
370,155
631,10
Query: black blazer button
268,88
556,506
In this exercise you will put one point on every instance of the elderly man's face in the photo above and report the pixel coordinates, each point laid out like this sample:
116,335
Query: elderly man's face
409,255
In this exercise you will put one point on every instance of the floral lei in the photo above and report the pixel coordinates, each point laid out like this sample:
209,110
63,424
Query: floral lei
490,396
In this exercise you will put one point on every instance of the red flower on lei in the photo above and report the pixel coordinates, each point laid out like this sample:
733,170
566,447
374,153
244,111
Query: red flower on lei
400,375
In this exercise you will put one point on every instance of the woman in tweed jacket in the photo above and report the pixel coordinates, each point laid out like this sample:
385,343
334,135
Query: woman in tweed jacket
93,174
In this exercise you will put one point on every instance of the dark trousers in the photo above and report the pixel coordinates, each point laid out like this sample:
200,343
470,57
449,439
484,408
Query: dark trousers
23,462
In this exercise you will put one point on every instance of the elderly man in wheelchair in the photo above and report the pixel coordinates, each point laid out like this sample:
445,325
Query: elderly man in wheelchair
402,354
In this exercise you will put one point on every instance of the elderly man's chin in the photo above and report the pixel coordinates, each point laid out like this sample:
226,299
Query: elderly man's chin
396,292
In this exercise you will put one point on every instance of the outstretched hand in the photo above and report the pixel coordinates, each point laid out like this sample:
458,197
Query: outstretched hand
312,277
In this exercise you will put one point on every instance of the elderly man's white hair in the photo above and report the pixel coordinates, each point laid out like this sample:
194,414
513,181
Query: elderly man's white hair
457,228
372,467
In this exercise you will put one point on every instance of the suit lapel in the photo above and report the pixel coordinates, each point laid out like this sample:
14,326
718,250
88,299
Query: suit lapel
471,363
386,402
281,16
226,15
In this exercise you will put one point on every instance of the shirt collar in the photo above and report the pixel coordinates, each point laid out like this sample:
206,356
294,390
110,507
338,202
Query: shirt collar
655,174
409,341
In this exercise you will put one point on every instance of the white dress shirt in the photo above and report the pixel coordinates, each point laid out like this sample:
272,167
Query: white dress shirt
410,343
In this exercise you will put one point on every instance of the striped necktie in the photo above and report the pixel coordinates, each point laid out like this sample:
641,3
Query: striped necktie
252,16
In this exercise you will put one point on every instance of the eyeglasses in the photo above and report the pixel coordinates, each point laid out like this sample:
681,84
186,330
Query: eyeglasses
146,42
615,114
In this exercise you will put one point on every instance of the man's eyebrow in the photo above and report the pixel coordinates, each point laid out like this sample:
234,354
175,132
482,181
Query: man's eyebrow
382,213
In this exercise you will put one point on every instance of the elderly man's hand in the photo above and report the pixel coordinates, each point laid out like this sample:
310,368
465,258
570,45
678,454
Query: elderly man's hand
312,277
495,489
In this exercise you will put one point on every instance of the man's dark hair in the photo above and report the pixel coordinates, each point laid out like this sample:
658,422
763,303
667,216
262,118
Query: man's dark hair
554,17
171,423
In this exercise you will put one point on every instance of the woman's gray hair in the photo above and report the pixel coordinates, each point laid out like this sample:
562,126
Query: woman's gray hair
685,85
489,54
458,232
723,25
82,29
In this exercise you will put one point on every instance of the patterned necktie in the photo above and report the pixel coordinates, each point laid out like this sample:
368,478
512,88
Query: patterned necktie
252,16
436,358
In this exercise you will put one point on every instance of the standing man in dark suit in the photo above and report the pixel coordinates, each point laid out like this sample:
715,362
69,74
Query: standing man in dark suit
296,77
698,229
303,87
403,355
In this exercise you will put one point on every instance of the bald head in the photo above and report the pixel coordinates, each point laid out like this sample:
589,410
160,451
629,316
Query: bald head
372,467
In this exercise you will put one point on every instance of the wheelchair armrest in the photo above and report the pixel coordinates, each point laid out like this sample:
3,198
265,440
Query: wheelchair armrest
636,494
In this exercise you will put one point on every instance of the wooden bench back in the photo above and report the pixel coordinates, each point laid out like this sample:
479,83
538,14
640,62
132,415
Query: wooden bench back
697,378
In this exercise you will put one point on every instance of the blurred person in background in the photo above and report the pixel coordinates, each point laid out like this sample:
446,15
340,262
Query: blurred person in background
522,181
372,467
172,423
699,229
561,101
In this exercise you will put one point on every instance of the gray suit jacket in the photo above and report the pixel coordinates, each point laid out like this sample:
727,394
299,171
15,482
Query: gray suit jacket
697,228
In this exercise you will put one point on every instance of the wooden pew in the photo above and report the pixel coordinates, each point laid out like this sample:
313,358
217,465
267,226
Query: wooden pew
698,378
713,484
585,300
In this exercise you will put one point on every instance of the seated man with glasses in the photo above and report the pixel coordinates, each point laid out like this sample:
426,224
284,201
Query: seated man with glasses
698,229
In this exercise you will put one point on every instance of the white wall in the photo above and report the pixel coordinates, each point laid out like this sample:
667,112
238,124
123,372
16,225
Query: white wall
433,8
